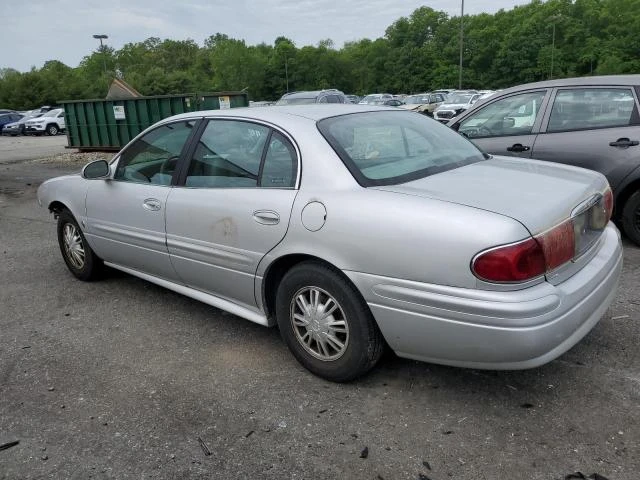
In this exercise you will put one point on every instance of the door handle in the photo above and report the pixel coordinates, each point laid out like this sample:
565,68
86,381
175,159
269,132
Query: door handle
518,147
152,204
266,217
624,142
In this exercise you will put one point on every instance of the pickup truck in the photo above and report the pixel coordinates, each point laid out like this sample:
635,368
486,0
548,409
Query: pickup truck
51,123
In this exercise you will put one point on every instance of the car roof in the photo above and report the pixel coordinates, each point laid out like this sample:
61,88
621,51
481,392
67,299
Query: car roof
311,93
313,112
603,80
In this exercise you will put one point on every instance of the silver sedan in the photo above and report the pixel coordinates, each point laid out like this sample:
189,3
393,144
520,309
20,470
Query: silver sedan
352,228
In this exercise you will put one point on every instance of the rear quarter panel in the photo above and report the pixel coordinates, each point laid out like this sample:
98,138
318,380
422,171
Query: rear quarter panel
396,235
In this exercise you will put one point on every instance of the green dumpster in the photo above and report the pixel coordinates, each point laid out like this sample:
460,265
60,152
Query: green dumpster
111,124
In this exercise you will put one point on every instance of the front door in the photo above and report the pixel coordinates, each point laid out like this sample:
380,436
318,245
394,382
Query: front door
126,214
232,207
506,126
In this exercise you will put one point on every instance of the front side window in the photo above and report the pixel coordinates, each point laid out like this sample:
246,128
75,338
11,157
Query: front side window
386,147
514,115
588,108
228,155
154,157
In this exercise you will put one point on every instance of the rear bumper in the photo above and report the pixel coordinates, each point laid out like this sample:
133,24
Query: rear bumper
494,330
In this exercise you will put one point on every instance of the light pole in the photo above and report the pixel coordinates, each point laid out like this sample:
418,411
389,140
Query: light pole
553,49
554,19
461,44
286,71
104,61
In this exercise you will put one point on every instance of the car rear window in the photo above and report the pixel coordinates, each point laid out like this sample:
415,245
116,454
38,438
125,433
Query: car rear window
387,148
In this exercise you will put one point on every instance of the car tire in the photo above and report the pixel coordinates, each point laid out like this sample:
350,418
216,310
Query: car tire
82,262
631,217
52,130
339,347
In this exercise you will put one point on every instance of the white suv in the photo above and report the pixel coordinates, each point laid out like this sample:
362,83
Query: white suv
50,123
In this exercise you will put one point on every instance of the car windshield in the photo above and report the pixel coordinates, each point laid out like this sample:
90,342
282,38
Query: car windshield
52,113
296,101
459,98
417,99
387,148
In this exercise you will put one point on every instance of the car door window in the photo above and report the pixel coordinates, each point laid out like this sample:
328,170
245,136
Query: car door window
228,155
589,108
280,164
333,99
514,115
153,157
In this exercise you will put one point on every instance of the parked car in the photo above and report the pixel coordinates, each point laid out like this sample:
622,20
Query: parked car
351,228
317,96
18,128
7,118
375,99
589,122
454,105
353,98
51,123
393,102
424,103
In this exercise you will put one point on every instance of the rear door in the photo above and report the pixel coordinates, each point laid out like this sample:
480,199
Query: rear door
593,127
232,206
508,125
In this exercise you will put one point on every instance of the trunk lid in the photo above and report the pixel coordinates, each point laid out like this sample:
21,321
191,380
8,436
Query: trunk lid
540,195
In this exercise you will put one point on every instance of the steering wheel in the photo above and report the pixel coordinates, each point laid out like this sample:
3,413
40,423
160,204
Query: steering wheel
484,131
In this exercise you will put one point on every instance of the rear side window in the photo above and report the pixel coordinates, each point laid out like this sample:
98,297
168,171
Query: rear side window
590,108
386,148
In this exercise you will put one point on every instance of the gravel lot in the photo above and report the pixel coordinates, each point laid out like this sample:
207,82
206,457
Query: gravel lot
123,379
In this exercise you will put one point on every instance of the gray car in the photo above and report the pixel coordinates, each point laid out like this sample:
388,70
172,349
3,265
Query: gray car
352,228
590,122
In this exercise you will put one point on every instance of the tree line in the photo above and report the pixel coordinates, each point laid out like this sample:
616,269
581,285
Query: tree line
556,38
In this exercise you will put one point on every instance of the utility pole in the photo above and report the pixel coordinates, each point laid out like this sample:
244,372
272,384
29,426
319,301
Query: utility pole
553,49
461,44
104,58
286,71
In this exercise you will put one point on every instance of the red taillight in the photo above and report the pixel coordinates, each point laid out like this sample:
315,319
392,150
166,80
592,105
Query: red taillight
558,245
608,203
549,250
512,263
527,259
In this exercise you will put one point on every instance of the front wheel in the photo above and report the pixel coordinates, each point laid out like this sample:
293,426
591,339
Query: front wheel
326,324
52,130
76,252
631,217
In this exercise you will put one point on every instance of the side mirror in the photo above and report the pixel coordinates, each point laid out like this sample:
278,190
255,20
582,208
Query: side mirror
96,169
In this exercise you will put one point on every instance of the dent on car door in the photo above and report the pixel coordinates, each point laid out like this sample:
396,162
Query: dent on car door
232,207
126,214
593,127
506,126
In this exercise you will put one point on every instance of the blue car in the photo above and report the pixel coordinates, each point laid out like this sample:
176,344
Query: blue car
6,118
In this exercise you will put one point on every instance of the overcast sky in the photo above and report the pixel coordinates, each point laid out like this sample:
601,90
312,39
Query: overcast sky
34,31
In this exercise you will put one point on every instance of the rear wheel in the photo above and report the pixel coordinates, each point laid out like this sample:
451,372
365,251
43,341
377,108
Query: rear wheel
52,130
631,217
326,324
76,252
